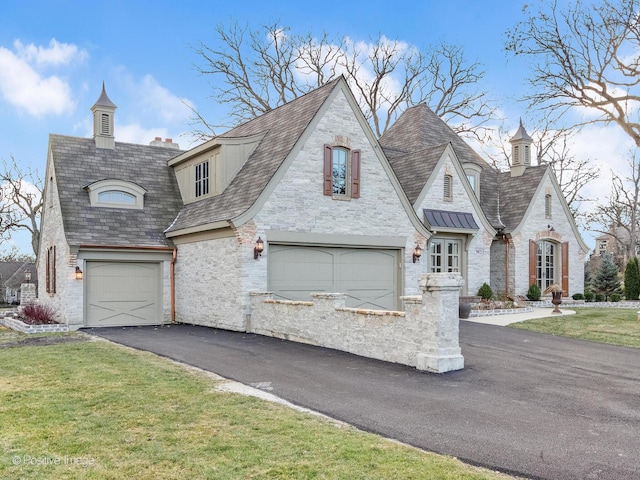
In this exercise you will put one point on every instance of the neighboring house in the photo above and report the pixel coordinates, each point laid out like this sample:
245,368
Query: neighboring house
302,199
12,275
614,242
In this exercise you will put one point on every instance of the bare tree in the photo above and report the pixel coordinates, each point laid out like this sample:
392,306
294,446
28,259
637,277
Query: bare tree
20,202
587,55
620,216
552,147
255,71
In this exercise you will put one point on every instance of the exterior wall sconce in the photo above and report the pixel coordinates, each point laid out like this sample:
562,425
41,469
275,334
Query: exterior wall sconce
417,253
257,251
78,273
27,276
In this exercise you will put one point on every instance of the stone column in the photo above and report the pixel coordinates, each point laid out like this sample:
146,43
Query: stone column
27,293
440,351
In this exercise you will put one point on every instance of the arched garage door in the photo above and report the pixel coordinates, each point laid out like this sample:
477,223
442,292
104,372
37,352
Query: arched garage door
369,277
123,293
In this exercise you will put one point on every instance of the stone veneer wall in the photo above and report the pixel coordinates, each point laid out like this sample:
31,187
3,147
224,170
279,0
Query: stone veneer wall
298,204
535,227
68,300
478,255
208,284
425,335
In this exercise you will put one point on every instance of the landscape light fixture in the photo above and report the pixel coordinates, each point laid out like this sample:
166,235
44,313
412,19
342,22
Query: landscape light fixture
417,253
27,276
257,251
78,273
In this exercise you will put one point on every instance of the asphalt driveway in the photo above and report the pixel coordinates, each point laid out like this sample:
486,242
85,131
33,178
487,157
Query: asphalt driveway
529,404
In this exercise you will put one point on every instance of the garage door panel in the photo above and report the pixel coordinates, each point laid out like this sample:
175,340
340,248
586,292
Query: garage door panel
368,276
123,293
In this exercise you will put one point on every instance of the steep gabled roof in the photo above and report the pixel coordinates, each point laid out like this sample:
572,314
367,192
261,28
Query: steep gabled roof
414,169
77,163
283,127
516,193
416,139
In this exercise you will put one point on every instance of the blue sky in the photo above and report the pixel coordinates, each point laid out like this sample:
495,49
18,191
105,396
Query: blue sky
54,56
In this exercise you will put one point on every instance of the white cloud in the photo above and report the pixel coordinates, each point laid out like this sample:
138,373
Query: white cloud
56,54
157,101
25,87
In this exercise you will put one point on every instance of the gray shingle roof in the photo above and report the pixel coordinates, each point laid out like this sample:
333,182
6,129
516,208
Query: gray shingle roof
78,162
516,194
283,127
413,145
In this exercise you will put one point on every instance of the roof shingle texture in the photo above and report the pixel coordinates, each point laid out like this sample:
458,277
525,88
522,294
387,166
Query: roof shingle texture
78,162
283,127
415,143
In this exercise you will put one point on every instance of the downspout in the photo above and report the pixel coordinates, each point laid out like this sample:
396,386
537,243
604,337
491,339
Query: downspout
172,274
506,240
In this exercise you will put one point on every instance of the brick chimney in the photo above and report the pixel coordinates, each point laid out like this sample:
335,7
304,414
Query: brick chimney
167,143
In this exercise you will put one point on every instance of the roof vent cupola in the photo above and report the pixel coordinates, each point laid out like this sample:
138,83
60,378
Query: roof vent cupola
103,121
521,144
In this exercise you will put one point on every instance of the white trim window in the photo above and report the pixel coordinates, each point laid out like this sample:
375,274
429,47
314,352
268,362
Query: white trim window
202,179
113,193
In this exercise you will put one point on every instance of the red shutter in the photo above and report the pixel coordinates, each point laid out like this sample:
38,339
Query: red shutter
48,272
355,174
533,257
53,290
328,175
565,269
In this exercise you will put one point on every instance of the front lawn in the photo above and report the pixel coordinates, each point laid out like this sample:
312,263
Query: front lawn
91,409
608,325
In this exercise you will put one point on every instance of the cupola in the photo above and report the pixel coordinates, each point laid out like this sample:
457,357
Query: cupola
103,121
520,151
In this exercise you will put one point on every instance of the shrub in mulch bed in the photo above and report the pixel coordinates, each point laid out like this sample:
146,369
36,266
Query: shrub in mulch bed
37,314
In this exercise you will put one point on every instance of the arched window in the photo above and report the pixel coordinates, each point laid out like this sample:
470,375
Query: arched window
546,261
116,197
113,193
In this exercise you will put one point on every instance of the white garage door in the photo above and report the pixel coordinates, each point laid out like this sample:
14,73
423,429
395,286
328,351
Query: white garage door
369,277
123,293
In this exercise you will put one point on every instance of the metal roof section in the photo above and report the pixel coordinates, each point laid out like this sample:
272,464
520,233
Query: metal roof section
443,219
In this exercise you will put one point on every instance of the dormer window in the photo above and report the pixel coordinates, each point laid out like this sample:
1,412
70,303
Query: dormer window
202,179
472,172
112,193
116,197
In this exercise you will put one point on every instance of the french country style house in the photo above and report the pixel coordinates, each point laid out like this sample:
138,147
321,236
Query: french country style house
301,199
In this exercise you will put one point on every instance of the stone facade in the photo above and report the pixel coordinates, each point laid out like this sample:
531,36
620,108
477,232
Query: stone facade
425,336
67,300
209,283
535,226
476,248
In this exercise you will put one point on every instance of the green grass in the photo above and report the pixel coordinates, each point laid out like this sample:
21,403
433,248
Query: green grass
607,325
99,411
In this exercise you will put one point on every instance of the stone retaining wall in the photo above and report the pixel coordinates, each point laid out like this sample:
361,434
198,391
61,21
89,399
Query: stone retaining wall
16,324
425,335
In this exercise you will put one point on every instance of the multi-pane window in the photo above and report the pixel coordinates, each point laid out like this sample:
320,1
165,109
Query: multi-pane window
339,172
444,255
202,179
545,264
116,197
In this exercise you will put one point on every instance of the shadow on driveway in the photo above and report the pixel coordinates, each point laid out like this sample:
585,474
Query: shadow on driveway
528,404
